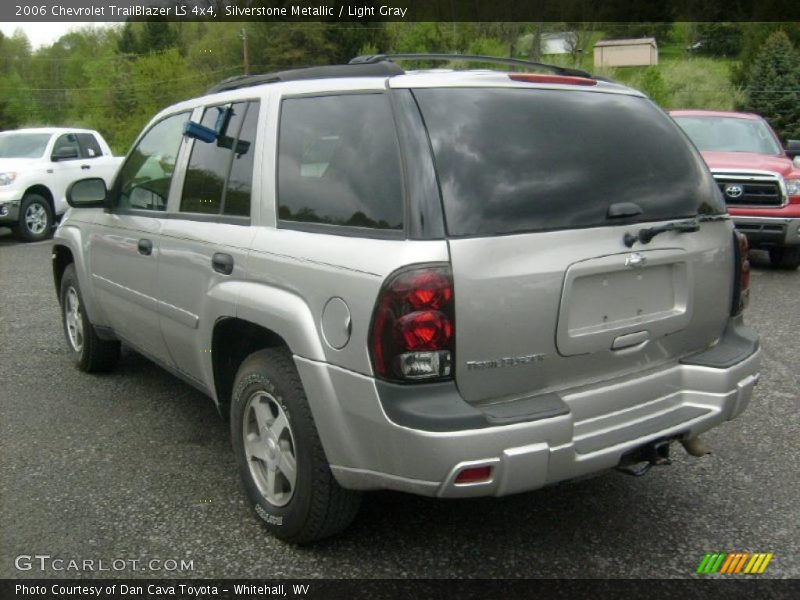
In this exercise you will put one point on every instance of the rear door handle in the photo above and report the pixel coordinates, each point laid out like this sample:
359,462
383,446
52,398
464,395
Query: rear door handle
86,167
145,247
222,263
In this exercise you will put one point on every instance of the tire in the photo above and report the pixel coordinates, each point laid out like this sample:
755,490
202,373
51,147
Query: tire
35,219
89,353
785,258
273,434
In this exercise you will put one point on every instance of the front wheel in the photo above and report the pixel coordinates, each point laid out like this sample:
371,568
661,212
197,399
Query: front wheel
89,352
280,456
35,219
785,258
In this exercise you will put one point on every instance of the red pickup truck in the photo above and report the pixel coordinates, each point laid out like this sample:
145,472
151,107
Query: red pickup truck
759,179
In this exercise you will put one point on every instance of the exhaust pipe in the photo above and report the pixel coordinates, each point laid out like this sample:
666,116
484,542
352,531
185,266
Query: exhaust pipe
695,446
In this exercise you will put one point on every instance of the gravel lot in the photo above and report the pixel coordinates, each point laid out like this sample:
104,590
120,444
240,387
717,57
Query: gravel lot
136,465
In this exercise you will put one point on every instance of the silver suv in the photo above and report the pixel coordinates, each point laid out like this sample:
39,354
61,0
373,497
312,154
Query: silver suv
450,283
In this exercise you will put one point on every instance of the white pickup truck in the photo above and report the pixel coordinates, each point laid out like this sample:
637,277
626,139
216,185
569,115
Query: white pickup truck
36,168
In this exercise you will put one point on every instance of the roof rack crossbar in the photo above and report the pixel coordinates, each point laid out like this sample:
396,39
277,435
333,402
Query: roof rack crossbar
378,58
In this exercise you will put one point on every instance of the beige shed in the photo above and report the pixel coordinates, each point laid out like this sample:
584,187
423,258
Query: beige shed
640,52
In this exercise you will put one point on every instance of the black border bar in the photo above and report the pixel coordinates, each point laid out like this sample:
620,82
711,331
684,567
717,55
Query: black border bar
400,10
416,589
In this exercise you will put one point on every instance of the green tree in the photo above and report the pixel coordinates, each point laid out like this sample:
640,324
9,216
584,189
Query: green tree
773,87
753,37
157,35
348,39
720,39
654,85
128,43
283,45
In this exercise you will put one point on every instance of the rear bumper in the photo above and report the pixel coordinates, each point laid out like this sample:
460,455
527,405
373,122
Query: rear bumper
368,450
769,231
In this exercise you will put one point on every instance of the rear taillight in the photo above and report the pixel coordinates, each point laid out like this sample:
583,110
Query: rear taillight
413,329
741,283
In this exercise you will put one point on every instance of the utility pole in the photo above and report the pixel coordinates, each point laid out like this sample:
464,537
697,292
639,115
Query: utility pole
245,54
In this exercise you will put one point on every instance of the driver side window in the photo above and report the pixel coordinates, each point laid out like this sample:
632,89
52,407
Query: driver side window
145,178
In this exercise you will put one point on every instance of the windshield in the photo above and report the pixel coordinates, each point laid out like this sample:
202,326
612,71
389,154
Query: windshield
518,160
729,134
23,145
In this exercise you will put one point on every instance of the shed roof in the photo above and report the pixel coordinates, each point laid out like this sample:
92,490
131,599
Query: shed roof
628,42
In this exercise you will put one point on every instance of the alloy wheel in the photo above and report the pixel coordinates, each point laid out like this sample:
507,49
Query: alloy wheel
36,218
73,319
269,448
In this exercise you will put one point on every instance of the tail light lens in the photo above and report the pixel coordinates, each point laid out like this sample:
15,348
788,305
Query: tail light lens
412,336
741,284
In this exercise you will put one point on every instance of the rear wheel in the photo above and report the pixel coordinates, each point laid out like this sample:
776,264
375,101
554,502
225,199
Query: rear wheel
785,258
280,456
35,219
89,352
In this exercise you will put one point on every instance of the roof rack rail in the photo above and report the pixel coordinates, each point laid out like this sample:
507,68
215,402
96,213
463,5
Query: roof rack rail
374,69
381,58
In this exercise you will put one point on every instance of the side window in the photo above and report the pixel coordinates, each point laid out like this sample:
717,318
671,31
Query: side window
89,146
220,173
66,147
338,162
146,176
240,181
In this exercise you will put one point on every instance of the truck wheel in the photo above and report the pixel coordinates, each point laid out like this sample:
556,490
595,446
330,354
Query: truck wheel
35,219
279,453
785,258
89,352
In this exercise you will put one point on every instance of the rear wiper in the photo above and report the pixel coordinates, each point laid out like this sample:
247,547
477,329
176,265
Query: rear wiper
709,218
645,235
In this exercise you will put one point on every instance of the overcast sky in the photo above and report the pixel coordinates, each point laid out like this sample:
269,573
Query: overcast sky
44,34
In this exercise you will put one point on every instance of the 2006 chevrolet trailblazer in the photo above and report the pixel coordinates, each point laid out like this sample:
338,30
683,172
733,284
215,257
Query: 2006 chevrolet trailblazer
451,283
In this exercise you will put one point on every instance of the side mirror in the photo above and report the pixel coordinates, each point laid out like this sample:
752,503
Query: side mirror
87,193
65,153
792,148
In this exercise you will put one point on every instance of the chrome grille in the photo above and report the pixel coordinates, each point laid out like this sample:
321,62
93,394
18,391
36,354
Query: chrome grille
750,189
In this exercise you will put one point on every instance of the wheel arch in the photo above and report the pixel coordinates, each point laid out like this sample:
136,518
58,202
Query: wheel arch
232,341
42,190
62,258
68,248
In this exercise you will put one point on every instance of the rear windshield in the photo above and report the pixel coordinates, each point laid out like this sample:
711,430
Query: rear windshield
516,160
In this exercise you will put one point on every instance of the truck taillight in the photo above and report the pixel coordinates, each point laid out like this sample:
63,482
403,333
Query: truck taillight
741,283
412,337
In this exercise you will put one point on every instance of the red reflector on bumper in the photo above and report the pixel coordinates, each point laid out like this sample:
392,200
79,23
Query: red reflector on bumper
474,475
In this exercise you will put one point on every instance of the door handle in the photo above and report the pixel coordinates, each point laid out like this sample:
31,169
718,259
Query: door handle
222,263
145,247
86,167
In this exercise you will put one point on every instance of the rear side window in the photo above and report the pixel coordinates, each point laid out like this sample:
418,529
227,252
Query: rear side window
89,146
339,162
207,188
516,160
67,142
